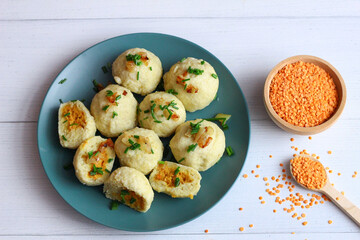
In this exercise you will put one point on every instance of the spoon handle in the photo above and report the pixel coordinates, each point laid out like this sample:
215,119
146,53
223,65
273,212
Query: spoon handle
343,203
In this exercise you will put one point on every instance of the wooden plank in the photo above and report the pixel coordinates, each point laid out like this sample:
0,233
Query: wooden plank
92,9
29,200
32,53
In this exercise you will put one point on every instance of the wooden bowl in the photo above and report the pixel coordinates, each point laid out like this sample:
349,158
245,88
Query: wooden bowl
338,80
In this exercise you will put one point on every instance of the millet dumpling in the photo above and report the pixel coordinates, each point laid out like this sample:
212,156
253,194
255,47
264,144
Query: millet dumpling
94,160
161,112
198,144
138,70
114,110
176,180
194,81
130,187
139,148
75,124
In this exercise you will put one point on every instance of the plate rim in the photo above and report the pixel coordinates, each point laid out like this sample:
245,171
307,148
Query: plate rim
127,35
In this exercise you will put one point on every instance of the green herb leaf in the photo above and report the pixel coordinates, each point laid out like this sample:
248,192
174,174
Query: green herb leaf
67,114
146,111
161,162
109,93
106,170
63,137
132,200
110,160
136,136
177,171
177,182
97,86
135,58
137,75
172,91
183,59
96,170
195,71
65,121
90,154
229,151
181,160
195,127
105,108
192,147
152,151
118,97
104,69
97,152
114,114
153,113
202,62
73,124
214,75
124,192
109,66
114,205
150,68
60,100
62,81
127,149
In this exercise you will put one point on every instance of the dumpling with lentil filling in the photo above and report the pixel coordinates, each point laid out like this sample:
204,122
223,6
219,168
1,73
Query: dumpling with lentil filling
94,160
114,110
75,124
138,70
193,81
139,148
130,187
161,112
176,180
198,144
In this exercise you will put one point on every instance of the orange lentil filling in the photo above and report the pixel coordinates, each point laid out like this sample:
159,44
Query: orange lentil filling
309,173
99,158
167,175
131,199
303,94
74,116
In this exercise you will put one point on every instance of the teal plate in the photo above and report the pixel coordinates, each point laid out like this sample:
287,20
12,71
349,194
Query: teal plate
165,211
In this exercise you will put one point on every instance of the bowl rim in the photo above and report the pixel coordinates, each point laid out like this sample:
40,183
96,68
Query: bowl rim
296,129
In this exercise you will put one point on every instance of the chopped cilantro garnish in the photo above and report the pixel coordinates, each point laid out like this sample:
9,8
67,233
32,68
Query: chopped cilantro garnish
177,182
114,114
63,137
105,108
62,81
192,147
195,71
104,69
214,75
202,62
172,91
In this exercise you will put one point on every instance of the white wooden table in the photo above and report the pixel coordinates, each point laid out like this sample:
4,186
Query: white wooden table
38,38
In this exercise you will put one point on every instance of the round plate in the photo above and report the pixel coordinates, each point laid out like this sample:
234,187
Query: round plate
165,211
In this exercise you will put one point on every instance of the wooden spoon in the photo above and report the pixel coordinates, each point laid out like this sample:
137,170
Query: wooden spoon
343,203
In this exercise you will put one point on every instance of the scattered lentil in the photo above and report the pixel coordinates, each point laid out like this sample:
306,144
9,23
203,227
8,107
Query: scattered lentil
206,231
245,175
330,222
241,229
